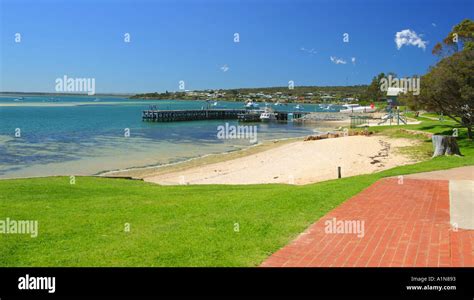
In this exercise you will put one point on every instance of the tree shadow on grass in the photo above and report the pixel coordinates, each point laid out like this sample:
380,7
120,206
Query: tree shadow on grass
440,129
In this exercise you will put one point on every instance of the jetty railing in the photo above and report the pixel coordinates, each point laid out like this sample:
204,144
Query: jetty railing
190,115
214,114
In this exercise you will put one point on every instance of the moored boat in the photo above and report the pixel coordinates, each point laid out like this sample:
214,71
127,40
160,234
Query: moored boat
267,116
356,108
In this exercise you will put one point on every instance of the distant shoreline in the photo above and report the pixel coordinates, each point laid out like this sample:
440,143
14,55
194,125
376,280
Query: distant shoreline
282,94
64,94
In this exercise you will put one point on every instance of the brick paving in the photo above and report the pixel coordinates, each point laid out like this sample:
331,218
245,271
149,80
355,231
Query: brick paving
405,225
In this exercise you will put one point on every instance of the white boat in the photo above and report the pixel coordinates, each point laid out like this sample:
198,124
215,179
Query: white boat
18,99
96,100
251,104
211,103
277,103
356,108
299,107
267,116
326,106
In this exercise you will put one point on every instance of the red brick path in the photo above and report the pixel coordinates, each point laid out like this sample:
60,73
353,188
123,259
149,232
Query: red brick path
406,225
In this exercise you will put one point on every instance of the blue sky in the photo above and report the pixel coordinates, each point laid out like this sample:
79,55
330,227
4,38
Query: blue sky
193,40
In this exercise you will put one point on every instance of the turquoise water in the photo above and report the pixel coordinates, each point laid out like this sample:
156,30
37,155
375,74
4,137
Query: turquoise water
72,135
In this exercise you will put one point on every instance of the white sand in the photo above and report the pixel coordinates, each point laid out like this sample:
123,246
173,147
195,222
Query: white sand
298,163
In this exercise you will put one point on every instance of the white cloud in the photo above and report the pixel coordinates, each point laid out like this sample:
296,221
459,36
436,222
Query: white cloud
310,51
337,61
409,37
224,68
353,60
433,24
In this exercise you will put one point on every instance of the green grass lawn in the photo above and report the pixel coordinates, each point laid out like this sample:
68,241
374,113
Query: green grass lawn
83,224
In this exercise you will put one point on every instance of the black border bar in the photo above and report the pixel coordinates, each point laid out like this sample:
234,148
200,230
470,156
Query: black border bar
138,283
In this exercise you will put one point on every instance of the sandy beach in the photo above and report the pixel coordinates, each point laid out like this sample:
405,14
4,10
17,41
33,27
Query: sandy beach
296,162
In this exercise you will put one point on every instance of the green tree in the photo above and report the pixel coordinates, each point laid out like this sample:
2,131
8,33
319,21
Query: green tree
461,37
448,88
373,91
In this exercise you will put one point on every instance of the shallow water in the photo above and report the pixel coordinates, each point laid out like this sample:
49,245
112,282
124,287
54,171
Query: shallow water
86,135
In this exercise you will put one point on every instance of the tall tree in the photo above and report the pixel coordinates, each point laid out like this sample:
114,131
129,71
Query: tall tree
373,92
448,88
461,37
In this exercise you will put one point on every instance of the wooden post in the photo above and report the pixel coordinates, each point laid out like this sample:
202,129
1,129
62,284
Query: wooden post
338,172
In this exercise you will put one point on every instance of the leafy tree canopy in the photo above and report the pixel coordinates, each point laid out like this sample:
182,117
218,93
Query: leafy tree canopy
461,37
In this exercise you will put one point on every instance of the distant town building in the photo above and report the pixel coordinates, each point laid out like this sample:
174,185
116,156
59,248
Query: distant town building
392,95
327,98
350,99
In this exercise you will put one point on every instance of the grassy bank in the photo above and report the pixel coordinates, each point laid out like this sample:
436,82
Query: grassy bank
83,224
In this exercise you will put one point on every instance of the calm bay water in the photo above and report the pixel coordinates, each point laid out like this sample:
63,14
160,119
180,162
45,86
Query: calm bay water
86,135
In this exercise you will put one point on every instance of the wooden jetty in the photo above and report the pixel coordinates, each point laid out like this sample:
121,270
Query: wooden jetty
249,116
244,115
285,115
190,115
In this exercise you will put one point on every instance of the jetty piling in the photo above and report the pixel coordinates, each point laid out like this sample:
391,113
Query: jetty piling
190,115
153,115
